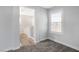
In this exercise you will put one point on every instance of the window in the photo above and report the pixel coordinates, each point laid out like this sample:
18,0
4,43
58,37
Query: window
56,22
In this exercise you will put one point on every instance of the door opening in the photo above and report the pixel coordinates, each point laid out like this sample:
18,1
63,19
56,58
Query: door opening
27,26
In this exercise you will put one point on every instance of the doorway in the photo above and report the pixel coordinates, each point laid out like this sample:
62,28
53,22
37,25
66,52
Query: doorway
27,23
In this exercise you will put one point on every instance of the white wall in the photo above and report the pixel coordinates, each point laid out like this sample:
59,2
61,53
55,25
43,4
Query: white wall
41,22
15,28
70,27
9,28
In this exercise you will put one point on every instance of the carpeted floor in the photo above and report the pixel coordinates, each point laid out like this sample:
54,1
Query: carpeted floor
45,46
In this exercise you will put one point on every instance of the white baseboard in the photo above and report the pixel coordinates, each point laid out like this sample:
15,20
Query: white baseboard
67,45
42,39
45,39
10,49
64,43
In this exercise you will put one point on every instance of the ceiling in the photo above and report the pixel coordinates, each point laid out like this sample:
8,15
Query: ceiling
47,7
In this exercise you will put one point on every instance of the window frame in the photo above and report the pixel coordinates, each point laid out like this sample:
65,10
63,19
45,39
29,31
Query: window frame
50,22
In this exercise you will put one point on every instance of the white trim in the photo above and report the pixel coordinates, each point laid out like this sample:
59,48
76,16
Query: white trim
10,49
41,40
67,45
64,43
29,12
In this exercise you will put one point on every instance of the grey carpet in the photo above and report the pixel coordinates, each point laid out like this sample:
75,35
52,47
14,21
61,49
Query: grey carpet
45,46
